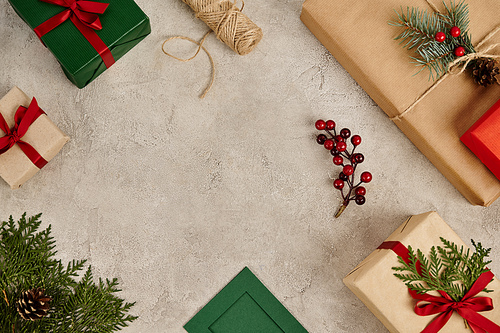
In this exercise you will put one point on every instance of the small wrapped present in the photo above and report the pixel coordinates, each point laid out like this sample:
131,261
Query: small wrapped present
86,37
432,115
483,139
31,138
374,283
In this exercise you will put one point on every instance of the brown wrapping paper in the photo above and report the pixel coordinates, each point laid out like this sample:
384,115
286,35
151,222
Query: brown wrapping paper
387,297
358,36
15,167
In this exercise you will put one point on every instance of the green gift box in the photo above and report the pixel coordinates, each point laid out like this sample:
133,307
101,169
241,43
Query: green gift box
124,25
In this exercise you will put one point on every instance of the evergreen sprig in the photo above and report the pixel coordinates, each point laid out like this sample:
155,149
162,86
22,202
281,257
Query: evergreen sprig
450,268
419,31
27,261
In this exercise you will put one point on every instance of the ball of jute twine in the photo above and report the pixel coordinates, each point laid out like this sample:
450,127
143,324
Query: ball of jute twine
230,25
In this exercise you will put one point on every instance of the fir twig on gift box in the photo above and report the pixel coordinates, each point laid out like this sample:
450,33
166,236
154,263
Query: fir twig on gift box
388,298
358,35
45,138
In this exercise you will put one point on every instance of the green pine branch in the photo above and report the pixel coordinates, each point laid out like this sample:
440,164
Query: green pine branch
419,27
456,15
451,269
27,261
419,31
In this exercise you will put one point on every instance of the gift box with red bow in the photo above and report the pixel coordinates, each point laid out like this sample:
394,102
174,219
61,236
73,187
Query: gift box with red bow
30,138
402,311
483,139
86,37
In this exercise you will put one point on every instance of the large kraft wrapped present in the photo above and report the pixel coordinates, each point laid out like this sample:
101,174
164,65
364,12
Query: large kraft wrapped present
29,138
388,298
433,115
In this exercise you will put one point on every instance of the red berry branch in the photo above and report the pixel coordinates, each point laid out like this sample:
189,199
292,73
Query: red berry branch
337,145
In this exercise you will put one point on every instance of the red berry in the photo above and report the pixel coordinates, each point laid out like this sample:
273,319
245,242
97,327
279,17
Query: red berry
321,139
343,176
320,124
459,51
329,144
366,177
348,170
440,37
454,31
360,199
334,151
345,133
338,138
330,124
359,158
338,160
341,146
356,140
338,184
360,190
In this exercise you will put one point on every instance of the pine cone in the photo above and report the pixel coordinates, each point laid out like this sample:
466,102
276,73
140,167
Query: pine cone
33,304
484,71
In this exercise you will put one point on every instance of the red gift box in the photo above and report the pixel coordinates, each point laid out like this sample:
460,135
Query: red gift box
483,139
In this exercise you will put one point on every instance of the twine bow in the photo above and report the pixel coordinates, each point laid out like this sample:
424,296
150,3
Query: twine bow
84,15
467,308
461,63
23,119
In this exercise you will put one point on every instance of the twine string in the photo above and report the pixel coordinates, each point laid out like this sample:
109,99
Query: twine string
230,25
433,6
464,61
200,47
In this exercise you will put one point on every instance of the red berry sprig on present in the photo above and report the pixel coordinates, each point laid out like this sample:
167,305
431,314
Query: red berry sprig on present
337,145
442,42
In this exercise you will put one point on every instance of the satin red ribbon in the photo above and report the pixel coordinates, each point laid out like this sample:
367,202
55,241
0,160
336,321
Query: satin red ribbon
84,16
467,308
23,119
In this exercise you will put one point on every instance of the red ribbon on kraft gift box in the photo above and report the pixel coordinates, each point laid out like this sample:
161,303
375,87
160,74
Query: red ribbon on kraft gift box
468,307
23,119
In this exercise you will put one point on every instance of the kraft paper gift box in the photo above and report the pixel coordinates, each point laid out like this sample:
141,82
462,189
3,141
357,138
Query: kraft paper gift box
483,139
387,297
45,137
123,24
359,37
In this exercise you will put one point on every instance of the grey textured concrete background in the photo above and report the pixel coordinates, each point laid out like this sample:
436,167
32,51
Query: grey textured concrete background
174,195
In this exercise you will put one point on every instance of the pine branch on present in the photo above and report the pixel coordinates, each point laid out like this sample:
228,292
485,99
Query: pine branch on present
420,27
437,38
435,58
451,269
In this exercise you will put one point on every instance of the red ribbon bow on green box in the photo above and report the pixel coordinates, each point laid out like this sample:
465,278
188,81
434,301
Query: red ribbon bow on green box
467,308
84,16
23,119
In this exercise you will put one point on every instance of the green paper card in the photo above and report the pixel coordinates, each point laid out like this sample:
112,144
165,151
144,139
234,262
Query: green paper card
245,305
124,26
